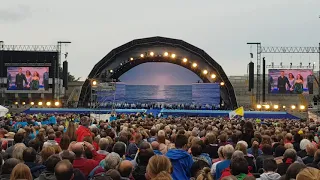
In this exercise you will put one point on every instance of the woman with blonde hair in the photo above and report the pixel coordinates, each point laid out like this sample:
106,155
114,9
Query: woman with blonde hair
71,131
159,167
21,171
18,151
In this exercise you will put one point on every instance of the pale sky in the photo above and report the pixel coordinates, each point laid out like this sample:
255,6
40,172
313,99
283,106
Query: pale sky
221,28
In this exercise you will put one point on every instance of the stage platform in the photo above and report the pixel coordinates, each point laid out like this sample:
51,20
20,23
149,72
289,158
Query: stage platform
167,112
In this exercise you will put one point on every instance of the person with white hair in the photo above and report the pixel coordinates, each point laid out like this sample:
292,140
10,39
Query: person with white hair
103,145
227,152
303,145
221,158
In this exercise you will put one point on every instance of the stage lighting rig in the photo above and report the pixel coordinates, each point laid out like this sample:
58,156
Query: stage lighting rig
185,60
194,65
213,76
205,72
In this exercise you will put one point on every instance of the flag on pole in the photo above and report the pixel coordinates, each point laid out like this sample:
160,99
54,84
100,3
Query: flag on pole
237,112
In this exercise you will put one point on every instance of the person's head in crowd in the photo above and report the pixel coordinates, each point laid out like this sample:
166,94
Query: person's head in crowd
112,161
29,155
35,144
58,134
47,152
78,149
64,170
227,151
311,149
51,162
288,138
239,166
125,168
220,152
279,151
103,144
9,164
269,165
197,167
223,138
241,147
18,138
65,141
18,151
51,136
144,155
293,170
88,153
67,155
210,139
71,131
85,121
288,146
204,174
267,149
181,142
155,145
303,144
113,174
120,148
196,150
21,171
290,156
309,173
157,165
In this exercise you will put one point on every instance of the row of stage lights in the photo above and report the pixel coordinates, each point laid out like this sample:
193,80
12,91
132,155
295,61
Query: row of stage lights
172,56
40,103
277,107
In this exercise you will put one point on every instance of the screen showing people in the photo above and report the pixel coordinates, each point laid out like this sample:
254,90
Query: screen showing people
290,81
28,78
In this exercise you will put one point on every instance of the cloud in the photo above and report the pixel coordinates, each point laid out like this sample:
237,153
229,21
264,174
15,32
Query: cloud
14,14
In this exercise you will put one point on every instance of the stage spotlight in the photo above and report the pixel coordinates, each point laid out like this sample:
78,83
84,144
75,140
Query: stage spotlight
302,107
32,103
23,103
166,54
205,72
94,83
131,59
40,103
142,55
267,106
185,60
213,76
151,53
57,103
173,55
283,107
275,106
48,103
194,65
259,106
16,103
222,84
293,107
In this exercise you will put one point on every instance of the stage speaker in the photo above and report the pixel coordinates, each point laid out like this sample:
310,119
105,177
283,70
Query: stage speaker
251,76
65,75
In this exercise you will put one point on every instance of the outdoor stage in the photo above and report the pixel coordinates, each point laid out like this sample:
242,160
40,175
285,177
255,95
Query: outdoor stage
167,112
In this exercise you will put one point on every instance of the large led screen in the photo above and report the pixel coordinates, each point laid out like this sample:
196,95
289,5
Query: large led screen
28,78
290,81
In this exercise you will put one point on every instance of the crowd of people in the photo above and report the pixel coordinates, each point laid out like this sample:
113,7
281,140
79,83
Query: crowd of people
70,146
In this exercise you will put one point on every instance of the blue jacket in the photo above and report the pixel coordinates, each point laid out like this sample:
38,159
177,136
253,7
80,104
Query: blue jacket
157,152
222,166
181,162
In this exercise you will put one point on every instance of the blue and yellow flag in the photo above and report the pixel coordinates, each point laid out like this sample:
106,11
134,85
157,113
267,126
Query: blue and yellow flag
237,112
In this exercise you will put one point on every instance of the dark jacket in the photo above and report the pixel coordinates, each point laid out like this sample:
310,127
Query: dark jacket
212,150
139,172
36,169
260,160
46,175
308,159
5,176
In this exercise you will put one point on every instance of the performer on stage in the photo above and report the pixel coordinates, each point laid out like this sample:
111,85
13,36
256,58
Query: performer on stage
282,82
20,77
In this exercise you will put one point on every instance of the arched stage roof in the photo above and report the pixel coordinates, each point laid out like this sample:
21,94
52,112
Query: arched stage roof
127,56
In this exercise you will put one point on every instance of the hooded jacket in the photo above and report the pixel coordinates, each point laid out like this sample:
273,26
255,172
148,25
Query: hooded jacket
181,162
46,175
35,169
269,176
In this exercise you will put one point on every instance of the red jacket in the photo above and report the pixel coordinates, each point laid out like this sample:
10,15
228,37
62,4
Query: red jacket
83,132
87,165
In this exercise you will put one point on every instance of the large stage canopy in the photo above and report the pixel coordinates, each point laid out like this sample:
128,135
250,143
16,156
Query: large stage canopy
159,49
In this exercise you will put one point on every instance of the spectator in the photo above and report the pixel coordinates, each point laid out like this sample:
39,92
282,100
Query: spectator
83,130
180,159
103,145
197,168
70,156
58,137
143,158
303,145
7,168
211,146
278,154
227,154
293,171
29,158
18,151
46,153
239,168
155,146
64,170
309,173
50,141
18,138
221,158
121,149
21,171
125,169
196,150
289,157
311,150
254,150
71,131
158,166
266,154
316,160
269,170
250,159
65,141
50,164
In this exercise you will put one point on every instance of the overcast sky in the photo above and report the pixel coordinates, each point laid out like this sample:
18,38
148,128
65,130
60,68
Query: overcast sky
221,28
